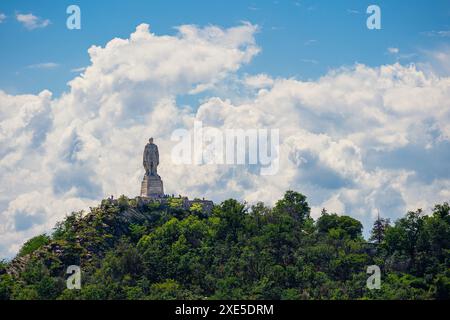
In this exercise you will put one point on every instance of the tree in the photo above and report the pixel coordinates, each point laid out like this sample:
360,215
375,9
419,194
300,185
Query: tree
379,229
294,204
168,290
407,239
167,252
231,214
137,231
340,226
6,286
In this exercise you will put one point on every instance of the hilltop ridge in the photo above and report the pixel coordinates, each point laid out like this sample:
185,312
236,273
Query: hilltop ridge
150,249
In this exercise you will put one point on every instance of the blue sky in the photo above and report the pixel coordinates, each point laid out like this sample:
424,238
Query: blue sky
302,39
362,114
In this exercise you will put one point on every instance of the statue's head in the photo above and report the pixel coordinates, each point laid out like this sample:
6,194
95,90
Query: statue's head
150,140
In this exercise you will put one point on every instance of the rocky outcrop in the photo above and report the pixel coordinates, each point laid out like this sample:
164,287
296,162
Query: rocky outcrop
98,231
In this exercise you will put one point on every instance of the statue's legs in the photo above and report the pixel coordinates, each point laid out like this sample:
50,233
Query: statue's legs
152,169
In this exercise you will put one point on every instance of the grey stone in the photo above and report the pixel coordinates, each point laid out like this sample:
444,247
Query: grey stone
152,186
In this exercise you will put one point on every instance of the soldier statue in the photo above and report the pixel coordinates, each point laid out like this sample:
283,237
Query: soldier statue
151,158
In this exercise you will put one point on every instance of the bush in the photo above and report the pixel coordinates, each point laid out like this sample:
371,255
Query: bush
33,244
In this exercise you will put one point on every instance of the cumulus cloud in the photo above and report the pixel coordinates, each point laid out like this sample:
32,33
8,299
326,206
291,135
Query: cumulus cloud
357,140
333,129
437,61
2,17
258,81
66,154
31,22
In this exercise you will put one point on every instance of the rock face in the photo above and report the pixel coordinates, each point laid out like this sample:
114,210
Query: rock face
94,233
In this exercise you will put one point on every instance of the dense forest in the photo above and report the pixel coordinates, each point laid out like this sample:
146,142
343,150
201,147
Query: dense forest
129,249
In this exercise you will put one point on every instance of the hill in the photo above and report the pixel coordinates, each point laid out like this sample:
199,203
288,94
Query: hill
130,249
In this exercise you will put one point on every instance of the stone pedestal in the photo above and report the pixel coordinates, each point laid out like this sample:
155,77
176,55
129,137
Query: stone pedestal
152,186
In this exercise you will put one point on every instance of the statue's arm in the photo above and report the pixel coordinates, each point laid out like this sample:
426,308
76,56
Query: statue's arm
157,156
144,158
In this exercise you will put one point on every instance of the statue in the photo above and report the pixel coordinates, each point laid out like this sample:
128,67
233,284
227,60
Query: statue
152,184
151,158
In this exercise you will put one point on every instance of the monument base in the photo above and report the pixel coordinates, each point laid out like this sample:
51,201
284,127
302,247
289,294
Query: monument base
152,186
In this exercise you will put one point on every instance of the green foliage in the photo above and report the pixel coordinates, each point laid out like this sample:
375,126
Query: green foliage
339,226
168,290
6,286
33,244
175,203
131,250
137,231
196,207
65,229
123,202
294,204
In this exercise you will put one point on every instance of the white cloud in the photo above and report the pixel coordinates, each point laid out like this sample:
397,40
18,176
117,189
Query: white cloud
259,81
2,17
31,21
313,61
43,65
356,140
393,50
57,155
437,61
352,11
332,127
439,33
77,70
310,42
